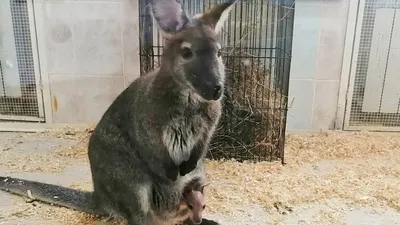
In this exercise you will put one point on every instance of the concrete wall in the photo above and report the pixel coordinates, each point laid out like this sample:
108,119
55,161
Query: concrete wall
318,46
92,53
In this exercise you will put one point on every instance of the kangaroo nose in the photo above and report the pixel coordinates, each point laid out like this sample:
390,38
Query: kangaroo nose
217,92
197,221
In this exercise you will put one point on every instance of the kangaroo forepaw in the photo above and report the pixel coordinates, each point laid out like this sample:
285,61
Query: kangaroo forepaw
186,167
172,174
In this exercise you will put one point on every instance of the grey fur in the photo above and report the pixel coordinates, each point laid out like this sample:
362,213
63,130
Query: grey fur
150,143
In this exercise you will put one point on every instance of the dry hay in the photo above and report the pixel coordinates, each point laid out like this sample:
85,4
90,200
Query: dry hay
80,133
33,163
47,161
333,145
361,168
53,161
251,124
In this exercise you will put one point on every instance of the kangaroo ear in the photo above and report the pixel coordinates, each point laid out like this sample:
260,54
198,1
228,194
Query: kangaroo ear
169,14
216,16
202,187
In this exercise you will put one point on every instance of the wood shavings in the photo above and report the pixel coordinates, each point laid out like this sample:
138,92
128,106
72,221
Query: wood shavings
37,163
360,167
30,194
30,199
68,132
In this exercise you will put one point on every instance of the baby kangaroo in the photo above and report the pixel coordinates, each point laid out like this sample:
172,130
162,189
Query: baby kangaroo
196,203
193,202
153,137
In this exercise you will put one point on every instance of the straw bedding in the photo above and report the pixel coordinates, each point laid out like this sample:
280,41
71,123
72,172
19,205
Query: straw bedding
363,168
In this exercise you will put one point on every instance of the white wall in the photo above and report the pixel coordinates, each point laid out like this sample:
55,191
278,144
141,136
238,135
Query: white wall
91,54
318,45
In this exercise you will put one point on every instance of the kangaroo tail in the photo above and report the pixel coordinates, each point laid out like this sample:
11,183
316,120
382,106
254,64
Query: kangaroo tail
51,194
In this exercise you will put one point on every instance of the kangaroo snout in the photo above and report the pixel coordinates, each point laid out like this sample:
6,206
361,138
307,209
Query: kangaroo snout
198,221
217,92
212,92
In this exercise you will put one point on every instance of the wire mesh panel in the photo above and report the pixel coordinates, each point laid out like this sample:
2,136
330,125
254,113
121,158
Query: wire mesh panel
256,41
375,101
18,91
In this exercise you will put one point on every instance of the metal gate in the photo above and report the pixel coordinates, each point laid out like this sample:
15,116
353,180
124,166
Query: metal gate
373,98
20,95
257,44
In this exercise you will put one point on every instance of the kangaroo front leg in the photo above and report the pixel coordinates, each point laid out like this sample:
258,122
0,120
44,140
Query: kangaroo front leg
198,152
136,221
139,217
171,169
189,165
179,140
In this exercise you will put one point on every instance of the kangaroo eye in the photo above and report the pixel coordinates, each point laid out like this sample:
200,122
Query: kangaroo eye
186,53
219,53
204,206
190,207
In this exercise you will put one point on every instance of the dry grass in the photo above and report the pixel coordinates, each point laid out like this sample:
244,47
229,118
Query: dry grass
68,132
359,167
81,134
310,148
251,125
363,168
50,162
36,163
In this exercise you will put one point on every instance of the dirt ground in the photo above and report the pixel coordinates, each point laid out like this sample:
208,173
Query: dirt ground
330,178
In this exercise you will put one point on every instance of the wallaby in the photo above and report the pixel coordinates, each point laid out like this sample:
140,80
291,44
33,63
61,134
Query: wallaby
151,141
192,206
195,202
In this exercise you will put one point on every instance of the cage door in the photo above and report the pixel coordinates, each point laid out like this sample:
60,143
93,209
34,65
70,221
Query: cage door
20,95
10,86
373,100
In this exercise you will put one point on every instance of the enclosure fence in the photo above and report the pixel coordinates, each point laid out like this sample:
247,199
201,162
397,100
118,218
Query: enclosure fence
375,99
18,84
257,43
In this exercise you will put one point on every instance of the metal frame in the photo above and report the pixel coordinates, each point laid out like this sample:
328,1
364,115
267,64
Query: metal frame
354,9
32,28
35,10
354,26
39,93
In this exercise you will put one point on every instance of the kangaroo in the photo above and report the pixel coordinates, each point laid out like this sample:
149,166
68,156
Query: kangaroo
151,141
195,202
192,206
